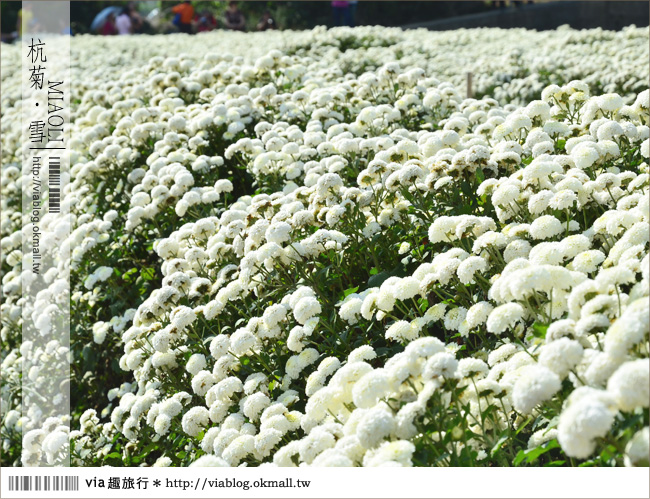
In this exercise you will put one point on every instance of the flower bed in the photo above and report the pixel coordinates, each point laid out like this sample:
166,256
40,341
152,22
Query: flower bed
319,253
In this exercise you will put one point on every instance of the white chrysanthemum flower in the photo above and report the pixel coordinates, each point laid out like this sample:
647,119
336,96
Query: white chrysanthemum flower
561,356
223,185
162,424
274,314
397,453
629,329
404,248
470,266
504,317
588,261
637,449
472,368
386,299
209,461
401,331
182,316
306,308
540,437
350,310
372,387
610,102
278,232
563,200
630,385
501,354
454,318
406,288
519,248
589,414
196,363
202,382
195,420
254,404
219,346
585,154
478,314
545,227
441,364
375,425
242,341
534,385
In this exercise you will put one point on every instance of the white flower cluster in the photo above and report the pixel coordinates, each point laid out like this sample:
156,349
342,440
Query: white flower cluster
328,258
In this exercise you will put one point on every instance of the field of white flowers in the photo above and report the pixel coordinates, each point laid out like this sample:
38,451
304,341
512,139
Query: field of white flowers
310,249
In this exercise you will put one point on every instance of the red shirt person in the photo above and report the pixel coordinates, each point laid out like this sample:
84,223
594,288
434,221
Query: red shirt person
109,27
205,22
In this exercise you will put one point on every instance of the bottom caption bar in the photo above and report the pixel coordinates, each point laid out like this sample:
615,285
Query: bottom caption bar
107,482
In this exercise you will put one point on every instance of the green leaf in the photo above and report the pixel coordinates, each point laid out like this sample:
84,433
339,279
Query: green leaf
377,280
128,275
539,330
521,428
530,456
608,453
521,455
498,445
147,273
349,291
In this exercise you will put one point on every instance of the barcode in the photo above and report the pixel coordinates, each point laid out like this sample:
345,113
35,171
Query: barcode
55,184
27,483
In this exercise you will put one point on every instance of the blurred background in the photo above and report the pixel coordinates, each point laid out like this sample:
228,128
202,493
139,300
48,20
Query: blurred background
149,16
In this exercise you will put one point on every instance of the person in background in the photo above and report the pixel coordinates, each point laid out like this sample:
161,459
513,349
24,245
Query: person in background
65,28
186,13
9,37
25,20
266,22
123,22
341,13
235,20
136,19
352,15
109,27
205,22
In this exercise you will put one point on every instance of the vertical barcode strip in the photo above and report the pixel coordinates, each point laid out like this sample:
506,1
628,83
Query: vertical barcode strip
27,483
55,184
